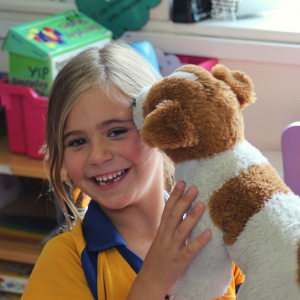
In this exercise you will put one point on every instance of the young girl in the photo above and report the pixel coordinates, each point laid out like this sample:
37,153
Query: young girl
131,243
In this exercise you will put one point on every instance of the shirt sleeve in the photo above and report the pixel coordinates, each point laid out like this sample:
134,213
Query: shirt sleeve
58,273
237,279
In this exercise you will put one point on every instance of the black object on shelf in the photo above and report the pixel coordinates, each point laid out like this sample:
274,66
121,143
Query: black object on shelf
190,11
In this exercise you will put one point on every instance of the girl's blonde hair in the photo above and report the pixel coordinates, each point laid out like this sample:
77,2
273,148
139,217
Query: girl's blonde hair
115,68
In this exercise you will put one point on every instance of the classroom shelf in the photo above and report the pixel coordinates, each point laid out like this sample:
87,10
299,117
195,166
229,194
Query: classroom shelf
20,252
20,165
17,164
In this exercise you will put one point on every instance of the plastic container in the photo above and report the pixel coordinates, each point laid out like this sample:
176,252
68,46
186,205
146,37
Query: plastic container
169,63
204,62
26,113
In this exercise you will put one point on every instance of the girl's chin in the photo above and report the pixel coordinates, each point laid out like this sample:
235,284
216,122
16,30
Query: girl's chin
113,203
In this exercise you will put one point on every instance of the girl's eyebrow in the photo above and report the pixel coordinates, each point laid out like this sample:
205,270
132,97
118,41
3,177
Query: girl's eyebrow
103,124
109,122
70,133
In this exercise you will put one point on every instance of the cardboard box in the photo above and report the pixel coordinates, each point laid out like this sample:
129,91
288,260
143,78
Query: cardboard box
39,49
14,276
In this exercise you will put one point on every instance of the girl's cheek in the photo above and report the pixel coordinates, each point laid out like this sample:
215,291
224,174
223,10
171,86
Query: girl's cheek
73,169
139,153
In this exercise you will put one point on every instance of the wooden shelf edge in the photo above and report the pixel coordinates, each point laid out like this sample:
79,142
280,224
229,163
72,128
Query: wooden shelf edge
20,252
18,164
35,173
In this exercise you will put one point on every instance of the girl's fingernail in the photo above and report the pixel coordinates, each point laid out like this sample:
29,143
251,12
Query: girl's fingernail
191,191
207,234
198,206
180,185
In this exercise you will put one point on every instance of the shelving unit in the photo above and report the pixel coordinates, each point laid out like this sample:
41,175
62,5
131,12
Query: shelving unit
20,252
20,165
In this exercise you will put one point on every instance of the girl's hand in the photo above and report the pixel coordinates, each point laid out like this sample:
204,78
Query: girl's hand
169,255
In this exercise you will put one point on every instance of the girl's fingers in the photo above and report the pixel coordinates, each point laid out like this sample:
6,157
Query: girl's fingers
174,198
183,230
176,215
194,247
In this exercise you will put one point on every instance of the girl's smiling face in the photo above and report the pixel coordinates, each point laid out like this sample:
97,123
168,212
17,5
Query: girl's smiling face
104,155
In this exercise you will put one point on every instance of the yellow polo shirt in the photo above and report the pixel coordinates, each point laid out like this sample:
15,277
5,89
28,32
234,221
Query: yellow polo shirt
91,262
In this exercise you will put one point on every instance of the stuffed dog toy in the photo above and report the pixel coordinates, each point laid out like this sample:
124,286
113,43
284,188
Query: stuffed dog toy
195,117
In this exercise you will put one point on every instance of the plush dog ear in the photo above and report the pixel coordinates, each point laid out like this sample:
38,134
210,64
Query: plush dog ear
167,127
239,82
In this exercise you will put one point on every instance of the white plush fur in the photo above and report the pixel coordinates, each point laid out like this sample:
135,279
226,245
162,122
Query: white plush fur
186,75
266,251
138,109
209,273
268,245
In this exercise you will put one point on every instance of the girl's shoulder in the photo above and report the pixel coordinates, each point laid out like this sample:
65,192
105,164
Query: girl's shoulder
58,272
63,251
70,241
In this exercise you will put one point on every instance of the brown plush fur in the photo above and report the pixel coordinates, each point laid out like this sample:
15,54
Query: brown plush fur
230,207
212,108
240,83
165,115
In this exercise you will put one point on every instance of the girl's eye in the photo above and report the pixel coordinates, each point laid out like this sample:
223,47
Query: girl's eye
77,142
117,132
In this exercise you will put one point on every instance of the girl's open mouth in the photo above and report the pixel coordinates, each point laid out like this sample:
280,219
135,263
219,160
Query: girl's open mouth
111,178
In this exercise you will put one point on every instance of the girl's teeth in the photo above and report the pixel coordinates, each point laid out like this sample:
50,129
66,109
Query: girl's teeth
116,177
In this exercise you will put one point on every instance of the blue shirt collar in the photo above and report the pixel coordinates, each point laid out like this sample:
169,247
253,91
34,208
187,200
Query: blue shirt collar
99,232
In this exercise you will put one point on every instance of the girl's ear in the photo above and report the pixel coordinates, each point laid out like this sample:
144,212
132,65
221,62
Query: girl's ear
167,127
239,82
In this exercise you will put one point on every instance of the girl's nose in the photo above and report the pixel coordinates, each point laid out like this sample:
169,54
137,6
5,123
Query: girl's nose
99,154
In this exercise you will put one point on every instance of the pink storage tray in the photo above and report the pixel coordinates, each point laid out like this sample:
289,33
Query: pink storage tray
169,63
204,62
26,115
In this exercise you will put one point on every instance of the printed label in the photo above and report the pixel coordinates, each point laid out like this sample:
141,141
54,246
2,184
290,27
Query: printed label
59,61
